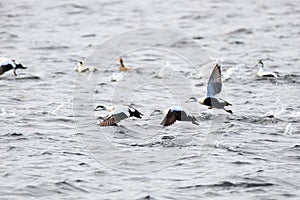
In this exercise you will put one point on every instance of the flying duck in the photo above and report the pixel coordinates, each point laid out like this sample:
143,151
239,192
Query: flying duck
214,87
7,64
174,114
263,73
122,67
81,68
117,114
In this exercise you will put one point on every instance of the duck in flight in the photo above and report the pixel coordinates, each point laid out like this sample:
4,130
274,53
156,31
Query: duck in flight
8,64
117,114
263,73
174,114
214,87
82,68
122,67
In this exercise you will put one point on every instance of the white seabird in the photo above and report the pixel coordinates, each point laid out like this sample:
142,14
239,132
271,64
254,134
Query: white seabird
117,114
214,87
263,73
8,64
82,68
174,114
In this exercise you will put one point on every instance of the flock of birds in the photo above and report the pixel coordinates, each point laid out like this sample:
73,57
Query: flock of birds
173,114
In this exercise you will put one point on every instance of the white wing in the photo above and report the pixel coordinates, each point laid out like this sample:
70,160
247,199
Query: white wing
214,85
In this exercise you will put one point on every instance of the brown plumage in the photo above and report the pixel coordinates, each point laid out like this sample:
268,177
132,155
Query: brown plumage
122,67
174,115
119,114
113,119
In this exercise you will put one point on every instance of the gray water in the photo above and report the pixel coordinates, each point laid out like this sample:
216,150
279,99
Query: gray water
51,146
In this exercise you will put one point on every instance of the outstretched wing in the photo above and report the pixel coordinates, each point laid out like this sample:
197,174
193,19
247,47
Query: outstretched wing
169,119
113,119
214,85
109,121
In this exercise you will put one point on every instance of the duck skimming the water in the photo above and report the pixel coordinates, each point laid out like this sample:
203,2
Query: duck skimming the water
117,114
263,73
214,87
175,114
7,64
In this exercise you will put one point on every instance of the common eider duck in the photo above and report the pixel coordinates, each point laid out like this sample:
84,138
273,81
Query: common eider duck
117,114
122,67
214,87
263,73
8,64
82,68
174,114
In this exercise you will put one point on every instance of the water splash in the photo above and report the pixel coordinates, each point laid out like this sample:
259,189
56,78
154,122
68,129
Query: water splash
229,72
290,129
279,108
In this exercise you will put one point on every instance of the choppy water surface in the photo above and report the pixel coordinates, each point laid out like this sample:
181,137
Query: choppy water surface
253,154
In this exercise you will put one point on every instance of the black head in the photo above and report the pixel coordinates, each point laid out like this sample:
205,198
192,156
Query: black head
260,64
135,113
155,111
100,107
80,62
18,65
192,99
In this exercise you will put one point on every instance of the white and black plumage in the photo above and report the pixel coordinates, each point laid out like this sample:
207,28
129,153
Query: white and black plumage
8,64
263,73
82,68
174,114
214,87
117,114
